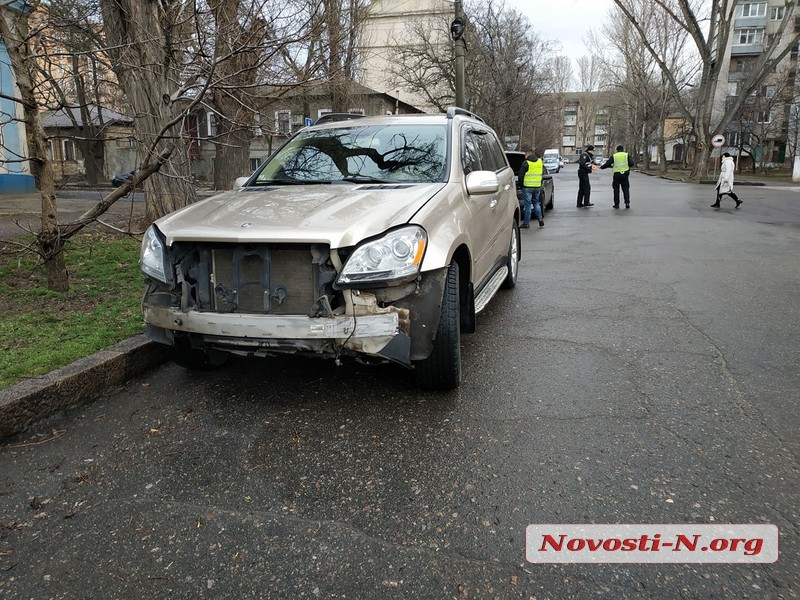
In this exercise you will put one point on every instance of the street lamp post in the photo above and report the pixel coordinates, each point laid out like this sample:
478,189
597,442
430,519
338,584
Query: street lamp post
457,33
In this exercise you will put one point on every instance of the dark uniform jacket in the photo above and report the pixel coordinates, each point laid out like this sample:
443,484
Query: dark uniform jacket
585,163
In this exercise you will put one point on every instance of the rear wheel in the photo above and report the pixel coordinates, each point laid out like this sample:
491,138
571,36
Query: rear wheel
512,262
442,369
549,205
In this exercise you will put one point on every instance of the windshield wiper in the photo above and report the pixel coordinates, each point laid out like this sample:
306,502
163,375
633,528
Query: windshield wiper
291,182
364,179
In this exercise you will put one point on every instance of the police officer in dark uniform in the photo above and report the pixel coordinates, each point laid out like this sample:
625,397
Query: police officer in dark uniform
584,169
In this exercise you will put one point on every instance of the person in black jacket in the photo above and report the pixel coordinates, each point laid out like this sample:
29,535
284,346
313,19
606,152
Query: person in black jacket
584,169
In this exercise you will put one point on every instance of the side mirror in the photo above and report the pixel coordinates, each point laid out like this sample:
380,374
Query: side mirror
239,183
482,182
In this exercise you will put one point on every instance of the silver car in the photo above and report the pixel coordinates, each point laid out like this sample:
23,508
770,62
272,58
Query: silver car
379,238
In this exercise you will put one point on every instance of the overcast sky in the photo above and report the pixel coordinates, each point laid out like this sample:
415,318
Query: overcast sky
566,20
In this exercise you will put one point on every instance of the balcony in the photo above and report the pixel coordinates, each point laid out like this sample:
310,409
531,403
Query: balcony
745,49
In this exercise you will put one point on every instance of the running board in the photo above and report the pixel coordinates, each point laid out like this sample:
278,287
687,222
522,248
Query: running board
490,289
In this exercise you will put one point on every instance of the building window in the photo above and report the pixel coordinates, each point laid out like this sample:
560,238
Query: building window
733,86
776,13
323,111
254,164
356,111
768,91
571,111
568,140
211,123
283,121
764,116
753,9
51,155
749,36
736,139
68,149
600,140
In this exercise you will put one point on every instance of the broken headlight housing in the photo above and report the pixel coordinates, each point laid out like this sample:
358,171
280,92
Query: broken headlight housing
153,259
393,258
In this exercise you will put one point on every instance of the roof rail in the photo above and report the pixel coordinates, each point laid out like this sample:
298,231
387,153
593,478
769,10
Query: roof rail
455,110
327,117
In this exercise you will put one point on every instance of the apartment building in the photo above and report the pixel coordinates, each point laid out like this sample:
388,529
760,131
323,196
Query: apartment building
763,133
586,118
392,26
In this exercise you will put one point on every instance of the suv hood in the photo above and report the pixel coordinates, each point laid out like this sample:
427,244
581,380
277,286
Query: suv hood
338,214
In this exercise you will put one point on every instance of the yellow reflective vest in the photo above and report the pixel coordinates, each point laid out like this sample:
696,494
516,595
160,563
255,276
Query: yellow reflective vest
621,162
533,176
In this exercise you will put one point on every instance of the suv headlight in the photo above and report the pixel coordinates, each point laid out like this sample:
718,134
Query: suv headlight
153,257
397,256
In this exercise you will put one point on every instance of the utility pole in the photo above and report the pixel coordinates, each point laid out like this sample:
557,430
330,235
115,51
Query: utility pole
457,33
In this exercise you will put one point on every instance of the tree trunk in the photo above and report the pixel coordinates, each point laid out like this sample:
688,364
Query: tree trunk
236,72
49,243
145,41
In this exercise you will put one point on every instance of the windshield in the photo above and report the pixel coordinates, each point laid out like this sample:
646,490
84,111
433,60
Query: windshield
371,153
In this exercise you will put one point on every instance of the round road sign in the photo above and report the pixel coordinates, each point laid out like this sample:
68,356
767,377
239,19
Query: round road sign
718,140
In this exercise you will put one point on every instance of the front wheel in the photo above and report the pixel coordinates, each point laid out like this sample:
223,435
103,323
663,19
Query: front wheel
442,369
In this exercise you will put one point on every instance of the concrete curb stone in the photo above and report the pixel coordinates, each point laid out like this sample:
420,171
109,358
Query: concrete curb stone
88,378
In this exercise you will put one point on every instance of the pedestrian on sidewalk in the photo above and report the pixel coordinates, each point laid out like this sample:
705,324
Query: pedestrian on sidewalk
621,163
584,169
530,178
725,181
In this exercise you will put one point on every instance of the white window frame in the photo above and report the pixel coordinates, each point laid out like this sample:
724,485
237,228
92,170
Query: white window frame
776,13
764,116
753,9
67,149
733,87
211,124
747,36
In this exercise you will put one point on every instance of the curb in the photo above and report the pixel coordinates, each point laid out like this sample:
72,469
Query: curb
88,378
701,181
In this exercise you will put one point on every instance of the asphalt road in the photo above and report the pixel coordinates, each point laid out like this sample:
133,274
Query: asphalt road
643,371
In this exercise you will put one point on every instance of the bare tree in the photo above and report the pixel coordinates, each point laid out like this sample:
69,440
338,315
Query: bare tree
710,33
150,42
71,75
506,70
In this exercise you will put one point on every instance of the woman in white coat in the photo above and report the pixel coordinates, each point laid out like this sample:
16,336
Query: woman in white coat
725,181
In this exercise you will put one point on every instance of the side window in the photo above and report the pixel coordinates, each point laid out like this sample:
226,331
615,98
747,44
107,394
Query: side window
492,156
481,151
470,151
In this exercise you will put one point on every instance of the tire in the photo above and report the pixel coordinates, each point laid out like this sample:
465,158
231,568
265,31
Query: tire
198,360
512,262
549,205
442,369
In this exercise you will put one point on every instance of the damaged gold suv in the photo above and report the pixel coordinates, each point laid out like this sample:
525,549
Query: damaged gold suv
379,238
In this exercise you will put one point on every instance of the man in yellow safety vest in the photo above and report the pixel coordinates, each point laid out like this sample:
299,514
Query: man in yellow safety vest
621,163
530,177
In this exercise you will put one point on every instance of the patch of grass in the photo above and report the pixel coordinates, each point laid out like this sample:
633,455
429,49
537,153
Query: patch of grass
42,330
